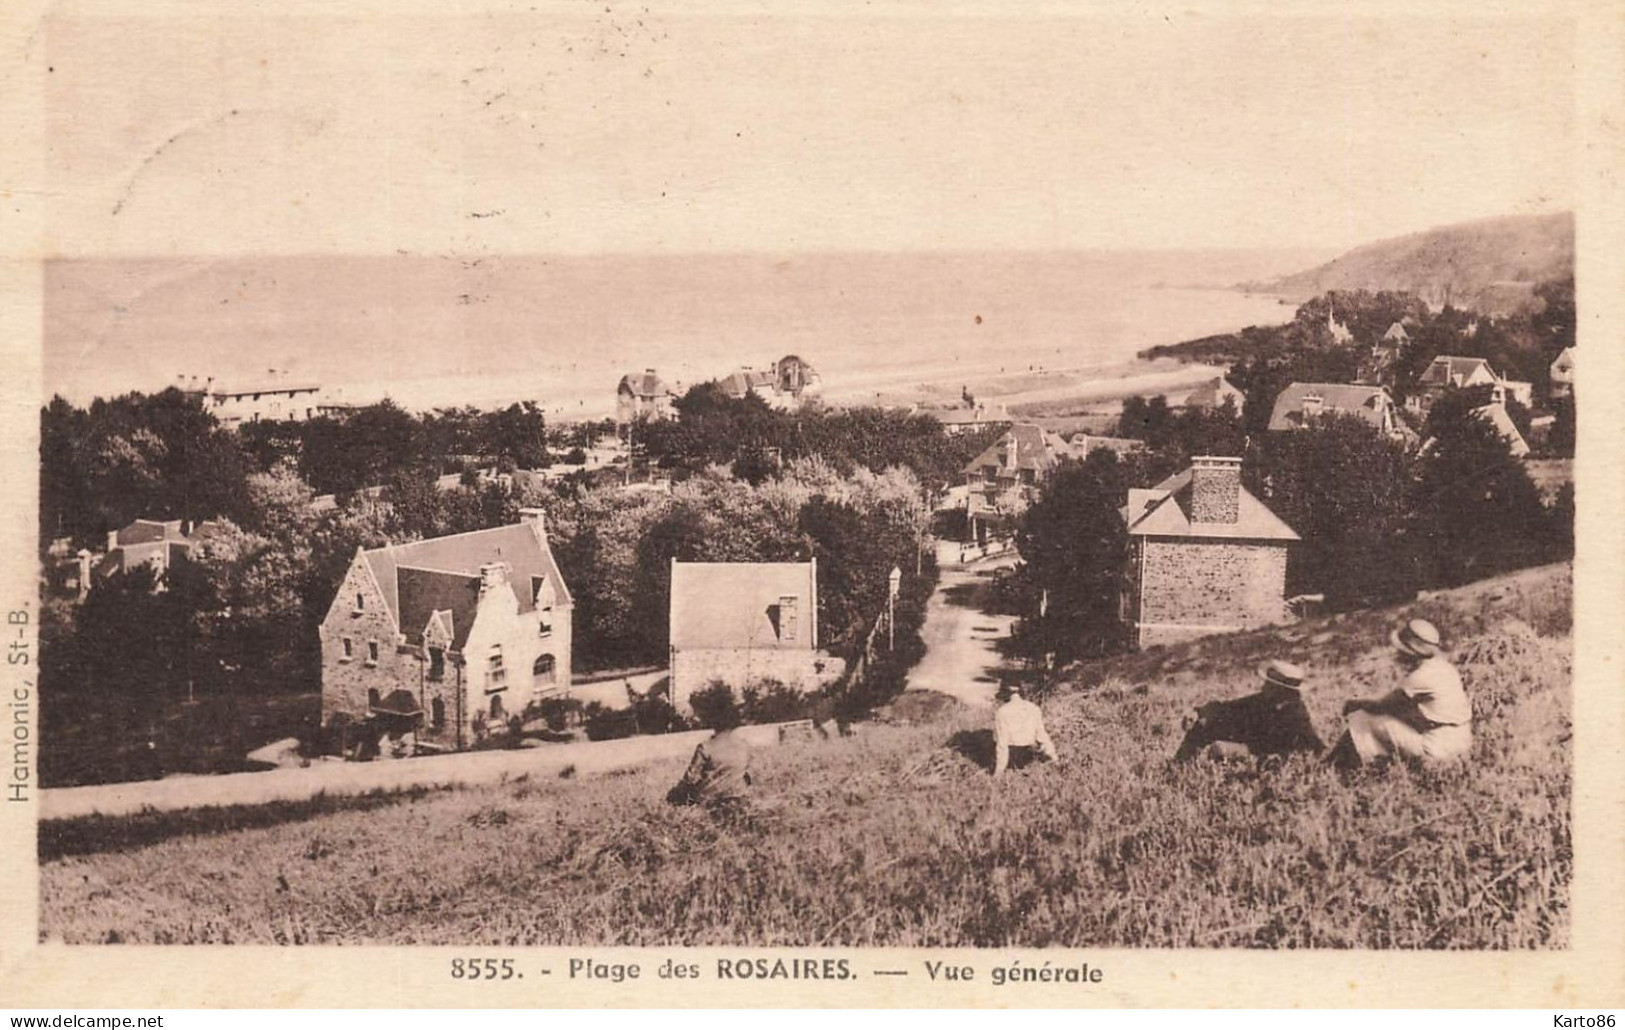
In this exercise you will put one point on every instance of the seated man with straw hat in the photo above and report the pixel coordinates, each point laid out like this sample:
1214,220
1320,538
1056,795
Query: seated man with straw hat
1428,717
1271,722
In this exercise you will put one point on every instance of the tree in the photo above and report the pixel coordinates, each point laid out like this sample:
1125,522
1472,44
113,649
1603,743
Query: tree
1477,512
1073,544
1345,488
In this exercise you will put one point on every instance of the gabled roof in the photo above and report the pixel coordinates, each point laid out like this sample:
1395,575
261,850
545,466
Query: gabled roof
1496,415
1396,333
1448,369
742,381
736,604
418,579
1564,361
1369,402
1212,393
1026,447
643,384
150,531
1164,510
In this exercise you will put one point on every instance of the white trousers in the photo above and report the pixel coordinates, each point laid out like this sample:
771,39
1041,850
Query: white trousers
1377,736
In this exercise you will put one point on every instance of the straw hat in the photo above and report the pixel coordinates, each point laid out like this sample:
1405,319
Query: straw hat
1418,638
1283,674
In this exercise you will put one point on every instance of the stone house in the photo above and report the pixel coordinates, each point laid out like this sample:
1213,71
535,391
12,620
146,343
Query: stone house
642,395
474,626
1205,556
743,623
1301,404
786,383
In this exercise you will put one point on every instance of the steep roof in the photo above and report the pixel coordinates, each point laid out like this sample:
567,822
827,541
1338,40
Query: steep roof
736,604
742,381
1496,415
1028,447
150,531
1447,369
1345,398
1212,393
420,578
1164,510
1564,362
643,384
1396,333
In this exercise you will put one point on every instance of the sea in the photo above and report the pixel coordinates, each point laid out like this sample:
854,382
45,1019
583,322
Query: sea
451,330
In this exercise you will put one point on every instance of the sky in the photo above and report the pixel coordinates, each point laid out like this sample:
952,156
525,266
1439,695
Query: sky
591,127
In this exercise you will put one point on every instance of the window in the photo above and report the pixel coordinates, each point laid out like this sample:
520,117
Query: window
545,626
349,649
372,652
360,602
787,618
496,708
496,677
437,664
372,697
437,713
545,669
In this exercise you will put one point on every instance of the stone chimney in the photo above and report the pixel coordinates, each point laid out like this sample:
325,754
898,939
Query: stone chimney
493,575
1215,489
112,539
537,518
1313,404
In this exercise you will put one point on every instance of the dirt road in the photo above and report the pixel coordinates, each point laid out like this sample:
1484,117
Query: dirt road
960,659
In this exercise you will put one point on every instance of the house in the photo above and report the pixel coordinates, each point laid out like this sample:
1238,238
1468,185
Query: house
1562,373
787,383
474,627
742,623
1002,480
1449,372
276,398
1300,404
642,395
969,418
1213,393
1340,332
1205,556
158,544
1376,368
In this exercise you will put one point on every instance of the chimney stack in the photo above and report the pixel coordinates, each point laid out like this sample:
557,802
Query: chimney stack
536,517
493,575
1215,489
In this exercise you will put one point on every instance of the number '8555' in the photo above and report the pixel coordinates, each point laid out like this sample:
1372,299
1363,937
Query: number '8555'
482,969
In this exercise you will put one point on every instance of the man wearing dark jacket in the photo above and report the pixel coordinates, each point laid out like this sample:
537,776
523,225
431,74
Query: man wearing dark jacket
1273,721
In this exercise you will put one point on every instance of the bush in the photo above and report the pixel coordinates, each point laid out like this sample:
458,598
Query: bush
559,713
575,456
715,707
772,701
609,723
653,712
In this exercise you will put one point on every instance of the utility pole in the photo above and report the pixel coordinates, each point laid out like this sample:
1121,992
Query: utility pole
893,581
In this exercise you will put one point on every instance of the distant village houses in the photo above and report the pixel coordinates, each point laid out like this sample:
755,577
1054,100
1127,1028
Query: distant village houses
642,395
1449,372
1005,478
1205,556
1302,404
968,418
787,383
277,397
745,623
449,636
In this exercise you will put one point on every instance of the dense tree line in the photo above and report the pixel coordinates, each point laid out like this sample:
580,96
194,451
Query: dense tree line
756,440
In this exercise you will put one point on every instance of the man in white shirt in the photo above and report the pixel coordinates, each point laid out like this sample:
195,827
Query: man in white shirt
1019,735
1428,717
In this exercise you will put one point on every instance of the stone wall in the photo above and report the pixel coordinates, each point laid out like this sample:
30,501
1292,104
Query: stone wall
346,681
1193,587
694,669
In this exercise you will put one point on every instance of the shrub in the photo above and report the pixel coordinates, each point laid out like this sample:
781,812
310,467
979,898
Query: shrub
715,707
559,713
608,723
772,701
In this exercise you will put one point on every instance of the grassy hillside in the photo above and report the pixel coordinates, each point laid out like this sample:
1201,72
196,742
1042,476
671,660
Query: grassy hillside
1489,266
899,837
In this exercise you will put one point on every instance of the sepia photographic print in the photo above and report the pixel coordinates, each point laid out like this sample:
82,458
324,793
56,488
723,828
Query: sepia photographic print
824,504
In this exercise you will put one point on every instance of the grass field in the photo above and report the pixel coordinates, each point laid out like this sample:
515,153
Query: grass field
899,837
